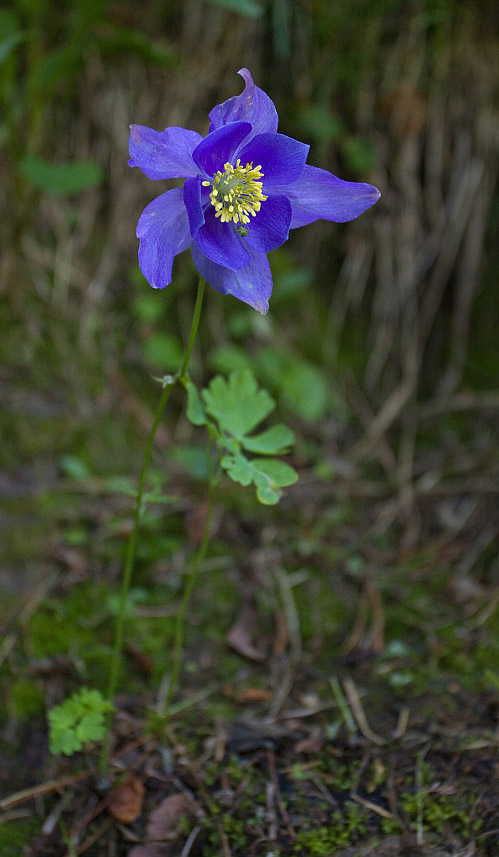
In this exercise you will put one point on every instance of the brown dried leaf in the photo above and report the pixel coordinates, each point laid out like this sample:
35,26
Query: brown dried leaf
240,635
163,821
252,694
125,800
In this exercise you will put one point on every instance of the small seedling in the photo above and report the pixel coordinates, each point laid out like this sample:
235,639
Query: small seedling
79,720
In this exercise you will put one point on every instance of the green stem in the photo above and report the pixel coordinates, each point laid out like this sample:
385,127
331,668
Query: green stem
132,542
178,646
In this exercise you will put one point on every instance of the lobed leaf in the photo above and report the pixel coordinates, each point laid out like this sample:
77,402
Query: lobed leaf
273,441
237,404
78,720
268,475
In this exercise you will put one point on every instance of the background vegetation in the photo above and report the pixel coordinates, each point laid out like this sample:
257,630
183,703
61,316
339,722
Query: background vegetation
373,589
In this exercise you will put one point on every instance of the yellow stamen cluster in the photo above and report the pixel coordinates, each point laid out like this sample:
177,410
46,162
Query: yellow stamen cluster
237,192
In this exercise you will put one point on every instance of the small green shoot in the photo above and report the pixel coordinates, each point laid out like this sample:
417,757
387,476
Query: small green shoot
78,721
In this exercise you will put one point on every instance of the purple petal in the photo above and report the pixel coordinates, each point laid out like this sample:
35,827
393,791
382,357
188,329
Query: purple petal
192,202
319,195
163,154
270,227
220,242
281,158
251,284
219,146
163,230
253,106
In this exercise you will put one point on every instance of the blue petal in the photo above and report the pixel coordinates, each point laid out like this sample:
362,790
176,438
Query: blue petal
219,146
281,158
319,195
251,284
163,154
163,230
192,202
270,227
253,106
220,242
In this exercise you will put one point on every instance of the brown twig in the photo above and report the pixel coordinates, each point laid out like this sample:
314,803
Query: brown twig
358,713
277,792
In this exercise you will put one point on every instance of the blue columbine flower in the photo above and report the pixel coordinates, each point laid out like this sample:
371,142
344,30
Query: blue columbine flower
246,187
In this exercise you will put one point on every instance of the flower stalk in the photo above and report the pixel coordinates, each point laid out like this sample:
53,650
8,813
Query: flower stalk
132,542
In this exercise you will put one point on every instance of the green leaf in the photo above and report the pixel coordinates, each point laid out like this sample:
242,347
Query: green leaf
273,441
62,179
247,8
302,385
63,741
237,405
278,472
238,467
268,475
304,388
77,721
91,727
195,410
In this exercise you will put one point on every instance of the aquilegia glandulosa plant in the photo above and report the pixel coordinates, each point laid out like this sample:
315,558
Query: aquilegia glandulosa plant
246,187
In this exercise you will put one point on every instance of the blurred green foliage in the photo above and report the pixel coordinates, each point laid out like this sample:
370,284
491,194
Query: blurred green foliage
43,46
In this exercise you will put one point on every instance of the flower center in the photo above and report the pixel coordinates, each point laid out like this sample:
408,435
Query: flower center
237,192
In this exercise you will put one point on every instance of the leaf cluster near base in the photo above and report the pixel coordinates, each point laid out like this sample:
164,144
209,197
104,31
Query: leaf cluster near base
232,408
77,721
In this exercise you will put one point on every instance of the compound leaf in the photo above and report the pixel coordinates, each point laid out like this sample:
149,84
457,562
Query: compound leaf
278,472
237,404
273,441
78,720
268,475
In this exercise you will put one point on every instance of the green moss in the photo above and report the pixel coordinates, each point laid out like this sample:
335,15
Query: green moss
345,828
436,812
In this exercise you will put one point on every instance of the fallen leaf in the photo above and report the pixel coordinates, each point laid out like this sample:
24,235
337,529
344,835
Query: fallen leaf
164,818
240,635
125,800
252,694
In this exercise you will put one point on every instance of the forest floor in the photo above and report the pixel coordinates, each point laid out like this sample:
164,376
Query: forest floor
340,688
